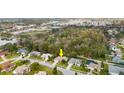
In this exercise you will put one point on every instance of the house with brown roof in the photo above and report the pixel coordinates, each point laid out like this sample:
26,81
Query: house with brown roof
7,66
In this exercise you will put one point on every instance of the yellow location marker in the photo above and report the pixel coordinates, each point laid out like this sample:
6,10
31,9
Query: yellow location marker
61,53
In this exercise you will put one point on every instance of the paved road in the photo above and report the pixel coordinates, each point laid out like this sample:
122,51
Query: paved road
65,71
15,59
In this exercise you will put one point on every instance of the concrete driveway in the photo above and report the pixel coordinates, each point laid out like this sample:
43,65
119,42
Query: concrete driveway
55,62
69,66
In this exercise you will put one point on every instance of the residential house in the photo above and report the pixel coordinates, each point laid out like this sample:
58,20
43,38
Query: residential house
46,56
7,66
118,53
21,70
116,69
59,59
116,59
75,61
93,65
23,52
35,53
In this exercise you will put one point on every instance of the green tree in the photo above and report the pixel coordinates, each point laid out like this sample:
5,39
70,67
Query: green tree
11,47
35,66
55,71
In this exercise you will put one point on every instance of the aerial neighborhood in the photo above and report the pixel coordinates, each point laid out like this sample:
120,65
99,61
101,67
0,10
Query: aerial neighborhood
56,46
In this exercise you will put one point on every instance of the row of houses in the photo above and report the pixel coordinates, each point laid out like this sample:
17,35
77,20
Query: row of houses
72,61
116,55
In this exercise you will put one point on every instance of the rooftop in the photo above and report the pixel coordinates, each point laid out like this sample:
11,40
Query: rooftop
116,69
75,61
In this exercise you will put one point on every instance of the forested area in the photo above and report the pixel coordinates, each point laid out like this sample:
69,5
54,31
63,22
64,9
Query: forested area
74,41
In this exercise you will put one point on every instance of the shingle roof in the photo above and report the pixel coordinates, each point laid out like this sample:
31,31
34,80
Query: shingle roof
74,61
21,69
7,65
60,58
114,69
22,51
116,59
35,53
1,54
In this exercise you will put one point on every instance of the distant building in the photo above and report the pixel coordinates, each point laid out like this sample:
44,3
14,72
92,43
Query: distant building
23,52
2,54
113,47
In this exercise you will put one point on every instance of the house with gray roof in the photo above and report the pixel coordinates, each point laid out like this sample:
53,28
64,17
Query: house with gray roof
75,61
93,65
22,51
116,59
116,69
35,53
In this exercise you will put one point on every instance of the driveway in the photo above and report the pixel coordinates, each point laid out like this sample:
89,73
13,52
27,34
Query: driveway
69,66
55,62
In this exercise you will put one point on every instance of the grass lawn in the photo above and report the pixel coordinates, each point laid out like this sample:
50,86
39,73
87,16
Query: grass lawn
1,59
60,64
20,62
51,62
6,73
36,57
79,69
12,55
104,71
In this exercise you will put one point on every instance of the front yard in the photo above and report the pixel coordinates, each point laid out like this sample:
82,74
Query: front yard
12,55
104,71
63,65
36,57
80,69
